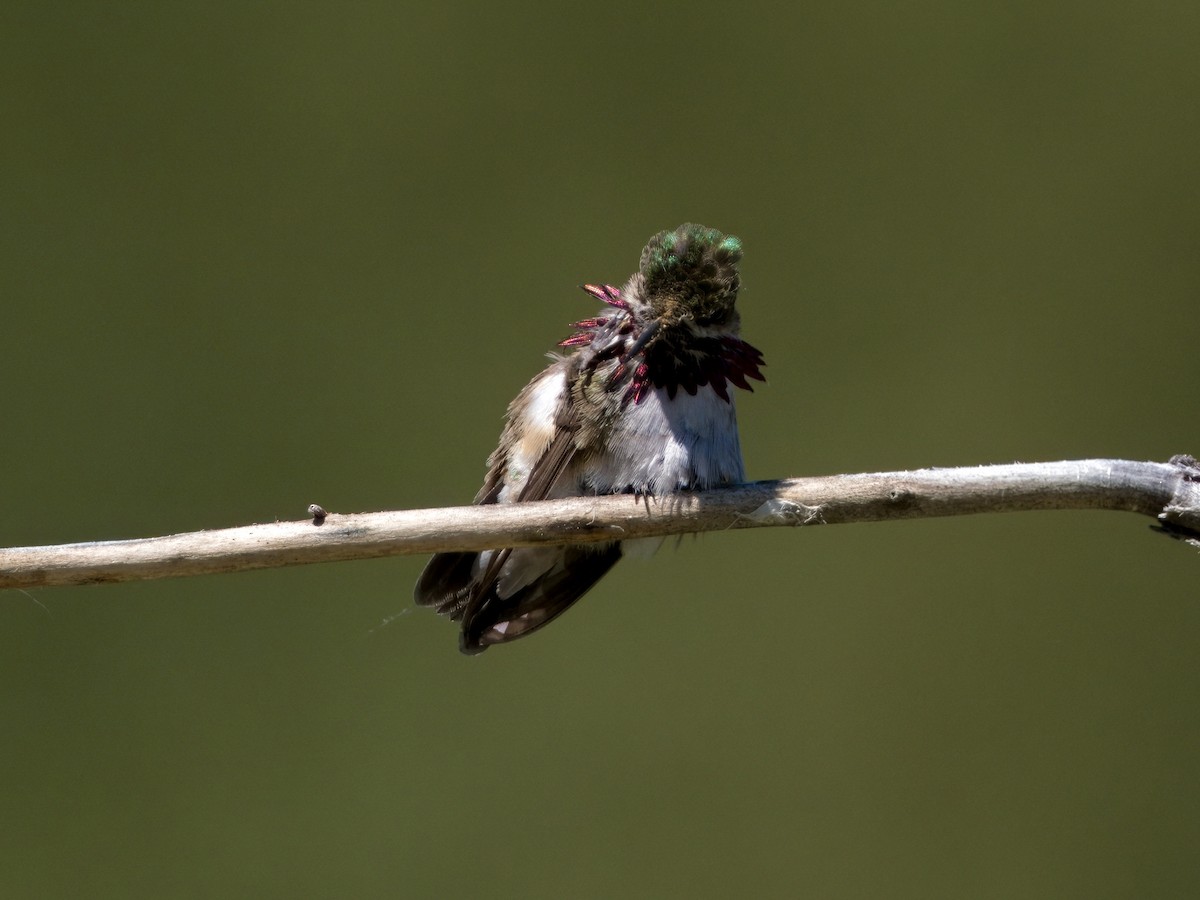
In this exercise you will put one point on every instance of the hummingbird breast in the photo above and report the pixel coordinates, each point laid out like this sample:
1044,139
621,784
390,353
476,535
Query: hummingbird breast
664,444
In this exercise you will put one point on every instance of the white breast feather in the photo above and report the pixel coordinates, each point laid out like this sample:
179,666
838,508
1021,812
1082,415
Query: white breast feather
662,445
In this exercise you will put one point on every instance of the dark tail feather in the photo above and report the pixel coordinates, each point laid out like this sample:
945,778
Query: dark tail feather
446,583
497,620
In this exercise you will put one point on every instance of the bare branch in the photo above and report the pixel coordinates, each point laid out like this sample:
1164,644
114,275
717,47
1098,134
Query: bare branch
1170,492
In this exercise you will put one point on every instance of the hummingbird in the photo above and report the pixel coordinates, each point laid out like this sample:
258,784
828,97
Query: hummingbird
640,404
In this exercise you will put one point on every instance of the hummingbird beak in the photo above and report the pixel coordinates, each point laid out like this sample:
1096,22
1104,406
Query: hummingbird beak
643,339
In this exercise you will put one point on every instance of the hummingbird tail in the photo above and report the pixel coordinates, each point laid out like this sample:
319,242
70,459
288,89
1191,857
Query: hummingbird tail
495,597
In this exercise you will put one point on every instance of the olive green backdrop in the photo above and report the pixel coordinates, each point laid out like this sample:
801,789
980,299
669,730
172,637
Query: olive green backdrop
256,256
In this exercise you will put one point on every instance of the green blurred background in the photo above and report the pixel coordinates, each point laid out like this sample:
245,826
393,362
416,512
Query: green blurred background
256,256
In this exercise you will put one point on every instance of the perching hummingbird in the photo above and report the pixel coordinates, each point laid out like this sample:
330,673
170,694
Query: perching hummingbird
642,406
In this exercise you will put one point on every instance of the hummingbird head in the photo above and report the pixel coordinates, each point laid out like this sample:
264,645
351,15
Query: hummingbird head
675,324
689,278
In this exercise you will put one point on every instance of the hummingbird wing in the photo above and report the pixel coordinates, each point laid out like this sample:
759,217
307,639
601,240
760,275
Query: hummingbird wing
501,595
452,580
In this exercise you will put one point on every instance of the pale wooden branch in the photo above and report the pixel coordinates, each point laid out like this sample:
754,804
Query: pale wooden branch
1170,492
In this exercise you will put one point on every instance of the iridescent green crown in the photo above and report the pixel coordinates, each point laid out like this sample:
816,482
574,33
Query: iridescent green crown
692,260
